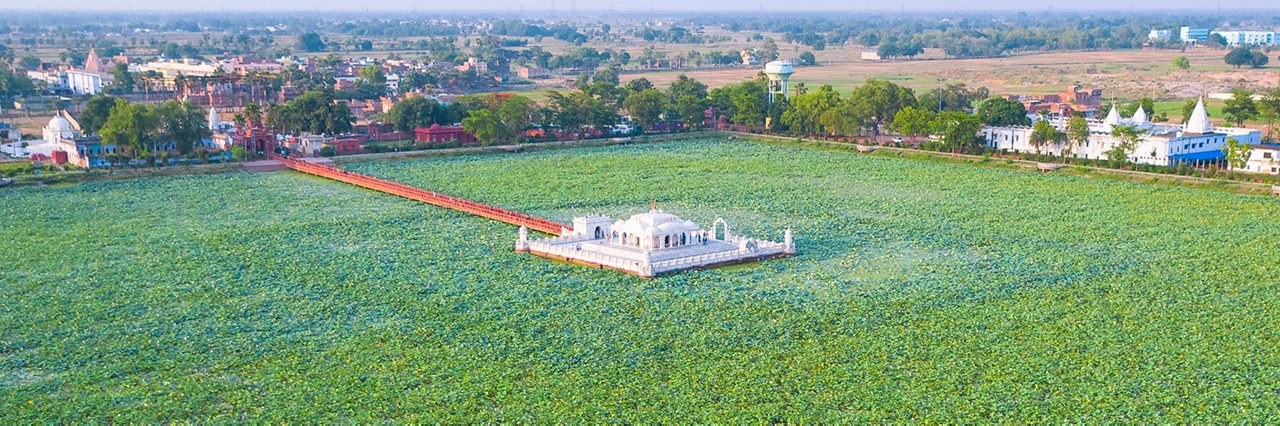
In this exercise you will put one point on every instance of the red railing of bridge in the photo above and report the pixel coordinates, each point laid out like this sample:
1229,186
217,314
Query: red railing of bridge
430,197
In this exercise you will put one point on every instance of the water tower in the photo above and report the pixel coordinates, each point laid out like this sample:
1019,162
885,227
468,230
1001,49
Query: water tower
779,74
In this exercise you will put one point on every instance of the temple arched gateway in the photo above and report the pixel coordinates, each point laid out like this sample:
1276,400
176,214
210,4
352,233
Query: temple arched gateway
652,243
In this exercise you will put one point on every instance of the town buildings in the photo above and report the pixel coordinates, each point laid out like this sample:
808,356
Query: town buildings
1072,101
1197,141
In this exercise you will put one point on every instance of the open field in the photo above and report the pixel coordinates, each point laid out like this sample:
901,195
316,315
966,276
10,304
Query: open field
922,291
1121,73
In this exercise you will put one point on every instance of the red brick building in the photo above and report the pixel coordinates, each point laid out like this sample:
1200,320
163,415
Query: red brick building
439,134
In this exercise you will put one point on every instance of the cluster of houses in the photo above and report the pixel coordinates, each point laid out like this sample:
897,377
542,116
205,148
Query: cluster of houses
64,142
221,82
1069,102
1197,142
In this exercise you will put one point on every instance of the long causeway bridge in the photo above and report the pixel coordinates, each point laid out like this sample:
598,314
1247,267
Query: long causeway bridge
430,197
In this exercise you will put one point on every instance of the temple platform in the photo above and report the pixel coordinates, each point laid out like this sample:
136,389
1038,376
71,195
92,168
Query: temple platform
651,244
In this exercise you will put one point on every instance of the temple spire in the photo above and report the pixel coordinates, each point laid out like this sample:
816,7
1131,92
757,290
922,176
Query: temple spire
1113,117
91,62
1140,116
1198,122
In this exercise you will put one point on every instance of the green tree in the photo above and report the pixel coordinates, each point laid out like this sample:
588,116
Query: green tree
515,114
687,99
373,74
691,110
183,123
13,85
130,126
638,85
806,110
646,107
1148,105
124,82
1240,56
1237,154
1187,108
1127,139
414,112
954,97
807,58
1269,109
95,113
1181,63
608,75
252,113
1044,134
310,42
997,111
769,51
1240,107
1077,135
879,101
314,112
1258,59
912,121
956,130
483,124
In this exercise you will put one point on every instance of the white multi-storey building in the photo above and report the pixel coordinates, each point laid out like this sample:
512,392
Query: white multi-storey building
1248,38
1160,144
84,82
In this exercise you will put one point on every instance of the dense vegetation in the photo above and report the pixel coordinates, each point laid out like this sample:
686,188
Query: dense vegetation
923,291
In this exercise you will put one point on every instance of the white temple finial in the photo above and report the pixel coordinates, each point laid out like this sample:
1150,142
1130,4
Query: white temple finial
1140,116
1198,122
1113,117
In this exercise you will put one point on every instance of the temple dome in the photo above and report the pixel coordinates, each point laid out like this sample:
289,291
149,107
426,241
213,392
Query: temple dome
654,222
59,124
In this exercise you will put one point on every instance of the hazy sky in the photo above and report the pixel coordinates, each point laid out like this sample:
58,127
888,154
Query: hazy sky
641,5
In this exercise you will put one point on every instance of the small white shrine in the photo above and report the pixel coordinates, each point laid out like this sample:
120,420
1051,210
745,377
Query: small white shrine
652,243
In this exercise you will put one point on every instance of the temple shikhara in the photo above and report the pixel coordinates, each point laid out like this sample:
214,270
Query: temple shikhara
651,244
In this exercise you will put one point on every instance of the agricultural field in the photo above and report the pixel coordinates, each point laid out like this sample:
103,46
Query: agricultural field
923,291
1125,74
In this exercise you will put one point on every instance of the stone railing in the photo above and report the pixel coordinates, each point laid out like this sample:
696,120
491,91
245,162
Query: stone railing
568,251
764,248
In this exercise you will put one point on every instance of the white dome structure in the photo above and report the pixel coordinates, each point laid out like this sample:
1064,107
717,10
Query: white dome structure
654,229
651,243
58,124
59,129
